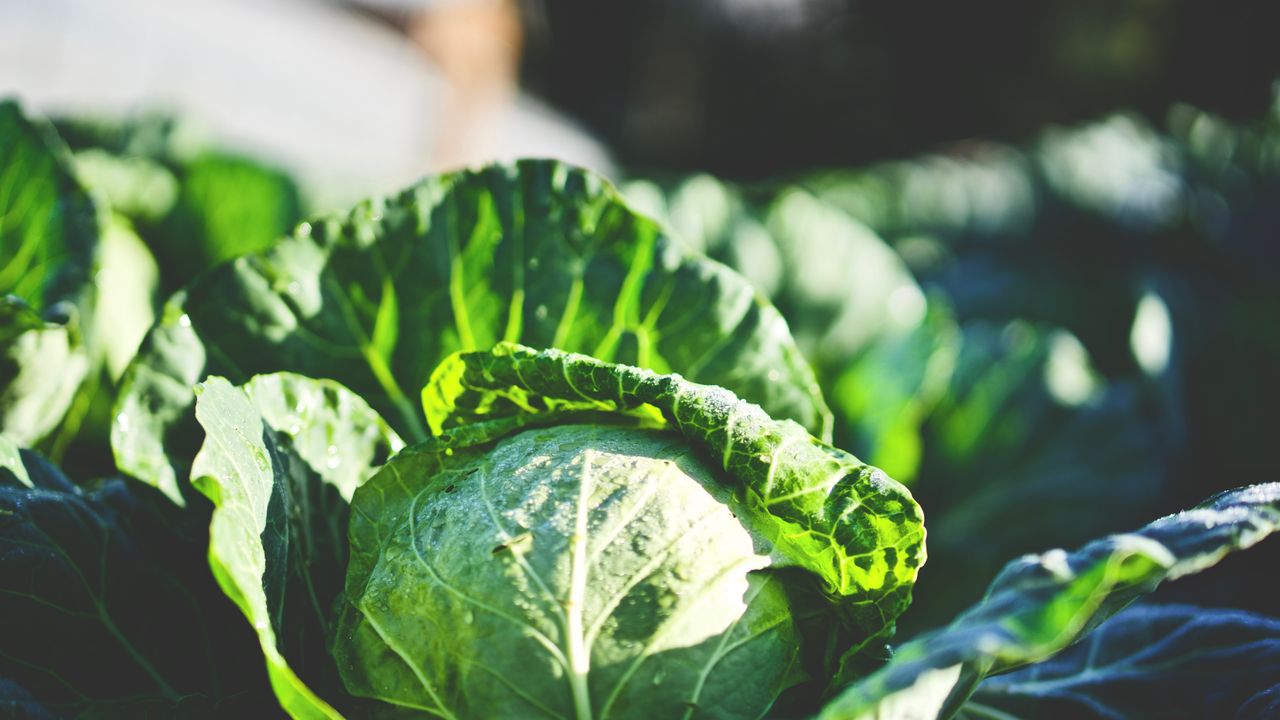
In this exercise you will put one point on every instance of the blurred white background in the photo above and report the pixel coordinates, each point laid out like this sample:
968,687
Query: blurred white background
346,103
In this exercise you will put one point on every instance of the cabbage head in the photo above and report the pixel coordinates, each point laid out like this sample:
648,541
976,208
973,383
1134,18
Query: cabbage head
571,571
583,554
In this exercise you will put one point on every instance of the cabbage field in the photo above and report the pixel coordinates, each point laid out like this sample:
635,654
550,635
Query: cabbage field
975,434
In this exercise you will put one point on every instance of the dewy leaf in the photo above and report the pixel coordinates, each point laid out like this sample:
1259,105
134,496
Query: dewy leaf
579,571
48,246
821,508
101,570
537,252
1149,661
1040,604
335,432
280,461
243,472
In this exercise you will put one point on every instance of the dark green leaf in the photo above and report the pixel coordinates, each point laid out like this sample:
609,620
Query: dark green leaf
1149,661
103,605
16,317
1040,604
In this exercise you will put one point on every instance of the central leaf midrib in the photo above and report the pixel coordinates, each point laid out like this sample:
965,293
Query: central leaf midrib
578,650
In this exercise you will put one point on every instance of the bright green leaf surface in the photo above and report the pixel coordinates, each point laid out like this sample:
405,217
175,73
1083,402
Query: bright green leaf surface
280,460
153,424
42,367
48,230
537,252
226,206
885,395
136,187
48,245
241,470
126,294
336,433
1040,604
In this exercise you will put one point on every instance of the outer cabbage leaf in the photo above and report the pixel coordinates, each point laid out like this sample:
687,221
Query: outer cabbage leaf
1149,661
279,461
586,571
820,508
537,252
103,569
1040,604
48,246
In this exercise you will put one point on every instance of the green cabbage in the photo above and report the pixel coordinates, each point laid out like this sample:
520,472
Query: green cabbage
576,571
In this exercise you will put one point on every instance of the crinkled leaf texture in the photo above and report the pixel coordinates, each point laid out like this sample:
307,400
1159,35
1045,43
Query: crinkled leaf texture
1149,661
48,253
1040,604
536,252
280,458
106,609
822,508
505,568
